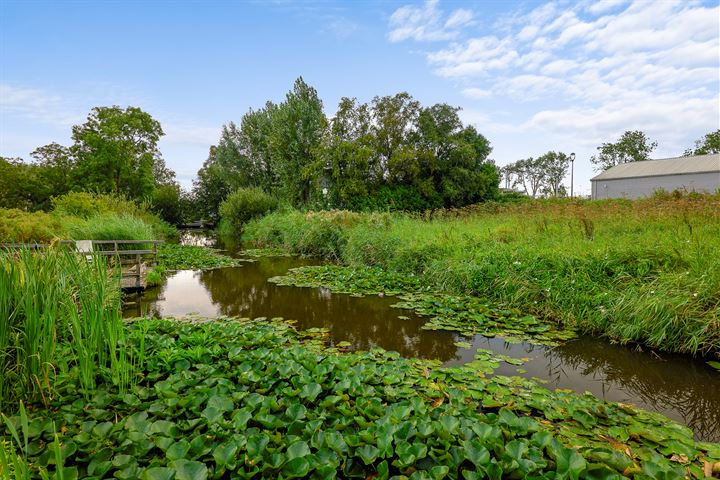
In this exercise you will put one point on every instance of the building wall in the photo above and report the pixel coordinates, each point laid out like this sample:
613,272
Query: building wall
646,186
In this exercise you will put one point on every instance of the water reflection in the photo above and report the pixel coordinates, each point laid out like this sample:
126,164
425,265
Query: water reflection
365,322
685,390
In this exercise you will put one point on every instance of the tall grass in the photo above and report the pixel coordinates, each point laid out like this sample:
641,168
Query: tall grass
60,313
644,271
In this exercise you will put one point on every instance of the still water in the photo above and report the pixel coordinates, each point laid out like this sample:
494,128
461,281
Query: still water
685,390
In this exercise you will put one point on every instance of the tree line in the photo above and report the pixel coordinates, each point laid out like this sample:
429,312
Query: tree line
391,153
114,151
544,175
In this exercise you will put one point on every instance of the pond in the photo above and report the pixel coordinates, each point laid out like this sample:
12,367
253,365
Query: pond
684,389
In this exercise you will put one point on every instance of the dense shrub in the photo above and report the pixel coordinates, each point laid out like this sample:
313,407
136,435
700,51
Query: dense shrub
24,227
242,206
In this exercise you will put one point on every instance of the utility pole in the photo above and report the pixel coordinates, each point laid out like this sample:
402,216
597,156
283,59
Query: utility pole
572,173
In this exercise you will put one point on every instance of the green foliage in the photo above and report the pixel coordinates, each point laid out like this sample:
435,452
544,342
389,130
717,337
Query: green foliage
243,205
635,271
709,144
116,151
389,154
254,399
172,256
17,226
109,226
60,314
465,314
632,146
166,201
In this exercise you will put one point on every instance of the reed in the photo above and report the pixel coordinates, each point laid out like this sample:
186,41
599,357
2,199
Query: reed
63,313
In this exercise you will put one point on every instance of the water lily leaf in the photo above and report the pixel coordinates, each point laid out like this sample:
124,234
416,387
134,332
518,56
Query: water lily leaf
224,453
476,452
178,450
221,402
368,453
298,449
296,468
310,391
189,470
158,473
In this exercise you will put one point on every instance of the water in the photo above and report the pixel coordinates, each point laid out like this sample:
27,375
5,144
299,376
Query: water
685,390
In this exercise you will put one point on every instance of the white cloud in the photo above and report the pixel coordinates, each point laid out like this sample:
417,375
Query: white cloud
459,18
476,93
425,23
595,69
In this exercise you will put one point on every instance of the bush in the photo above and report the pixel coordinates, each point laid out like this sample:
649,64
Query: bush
17,226
242,206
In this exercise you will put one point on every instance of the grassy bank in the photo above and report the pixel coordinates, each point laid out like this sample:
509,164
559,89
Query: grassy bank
256,399
82,216
642,271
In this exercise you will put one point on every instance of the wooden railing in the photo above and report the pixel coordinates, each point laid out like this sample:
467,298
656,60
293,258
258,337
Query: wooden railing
136,255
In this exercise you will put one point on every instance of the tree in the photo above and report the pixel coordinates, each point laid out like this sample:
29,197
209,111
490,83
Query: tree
530,173
555,166
116,151
710,143
632,146
297,129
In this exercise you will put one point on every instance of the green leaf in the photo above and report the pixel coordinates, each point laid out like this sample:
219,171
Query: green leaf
368,453
310,391
224,453
714,364
178,450
476,452
297,449
158,473
296,468
189,470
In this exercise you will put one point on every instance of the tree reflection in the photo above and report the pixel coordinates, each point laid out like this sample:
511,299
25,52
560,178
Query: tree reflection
667,383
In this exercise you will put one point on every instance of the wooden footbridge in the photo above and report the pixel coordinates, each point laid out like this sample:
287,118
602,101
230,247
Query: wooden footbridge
133,256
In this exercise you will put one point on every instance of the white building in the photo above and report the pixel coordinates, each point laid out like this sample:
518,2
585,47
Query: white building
700,173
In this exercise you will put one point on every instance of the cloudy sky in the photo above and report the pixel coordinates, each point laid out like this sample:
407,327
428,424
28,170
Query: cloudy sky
532,76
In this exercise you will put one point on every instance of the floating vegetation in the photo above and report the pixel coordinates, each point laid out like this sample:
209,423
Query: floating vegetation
464,314
251,399
190,257
264,252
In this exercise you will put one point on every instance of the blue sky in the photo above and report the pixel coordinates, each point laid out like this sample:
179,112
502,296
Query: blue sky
532,76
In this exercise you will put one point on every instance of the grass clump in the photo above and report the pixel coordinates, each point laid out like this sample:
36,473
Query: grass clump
255,399
643,271
60,316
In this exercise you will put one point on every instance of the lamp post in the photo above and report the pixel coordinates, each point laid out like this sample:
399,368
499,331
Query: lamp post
572,173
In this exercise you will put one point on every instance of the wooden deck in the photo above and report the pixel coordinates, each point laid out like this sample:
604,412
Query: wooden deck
134,260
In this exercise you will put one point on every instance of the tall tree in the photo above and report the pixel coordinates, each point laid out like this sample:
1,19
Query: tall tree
632,146
555,166
116,150
710,143
298,126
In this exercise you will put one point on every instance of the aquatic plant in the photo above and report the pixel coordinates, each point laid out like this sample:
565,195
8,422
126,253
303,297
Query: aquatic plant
172,256
60,313
465,314
643,271
255,399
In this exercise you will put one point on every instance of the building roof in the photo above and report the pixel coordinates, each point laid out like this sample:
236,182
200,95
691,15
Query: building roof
665,166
